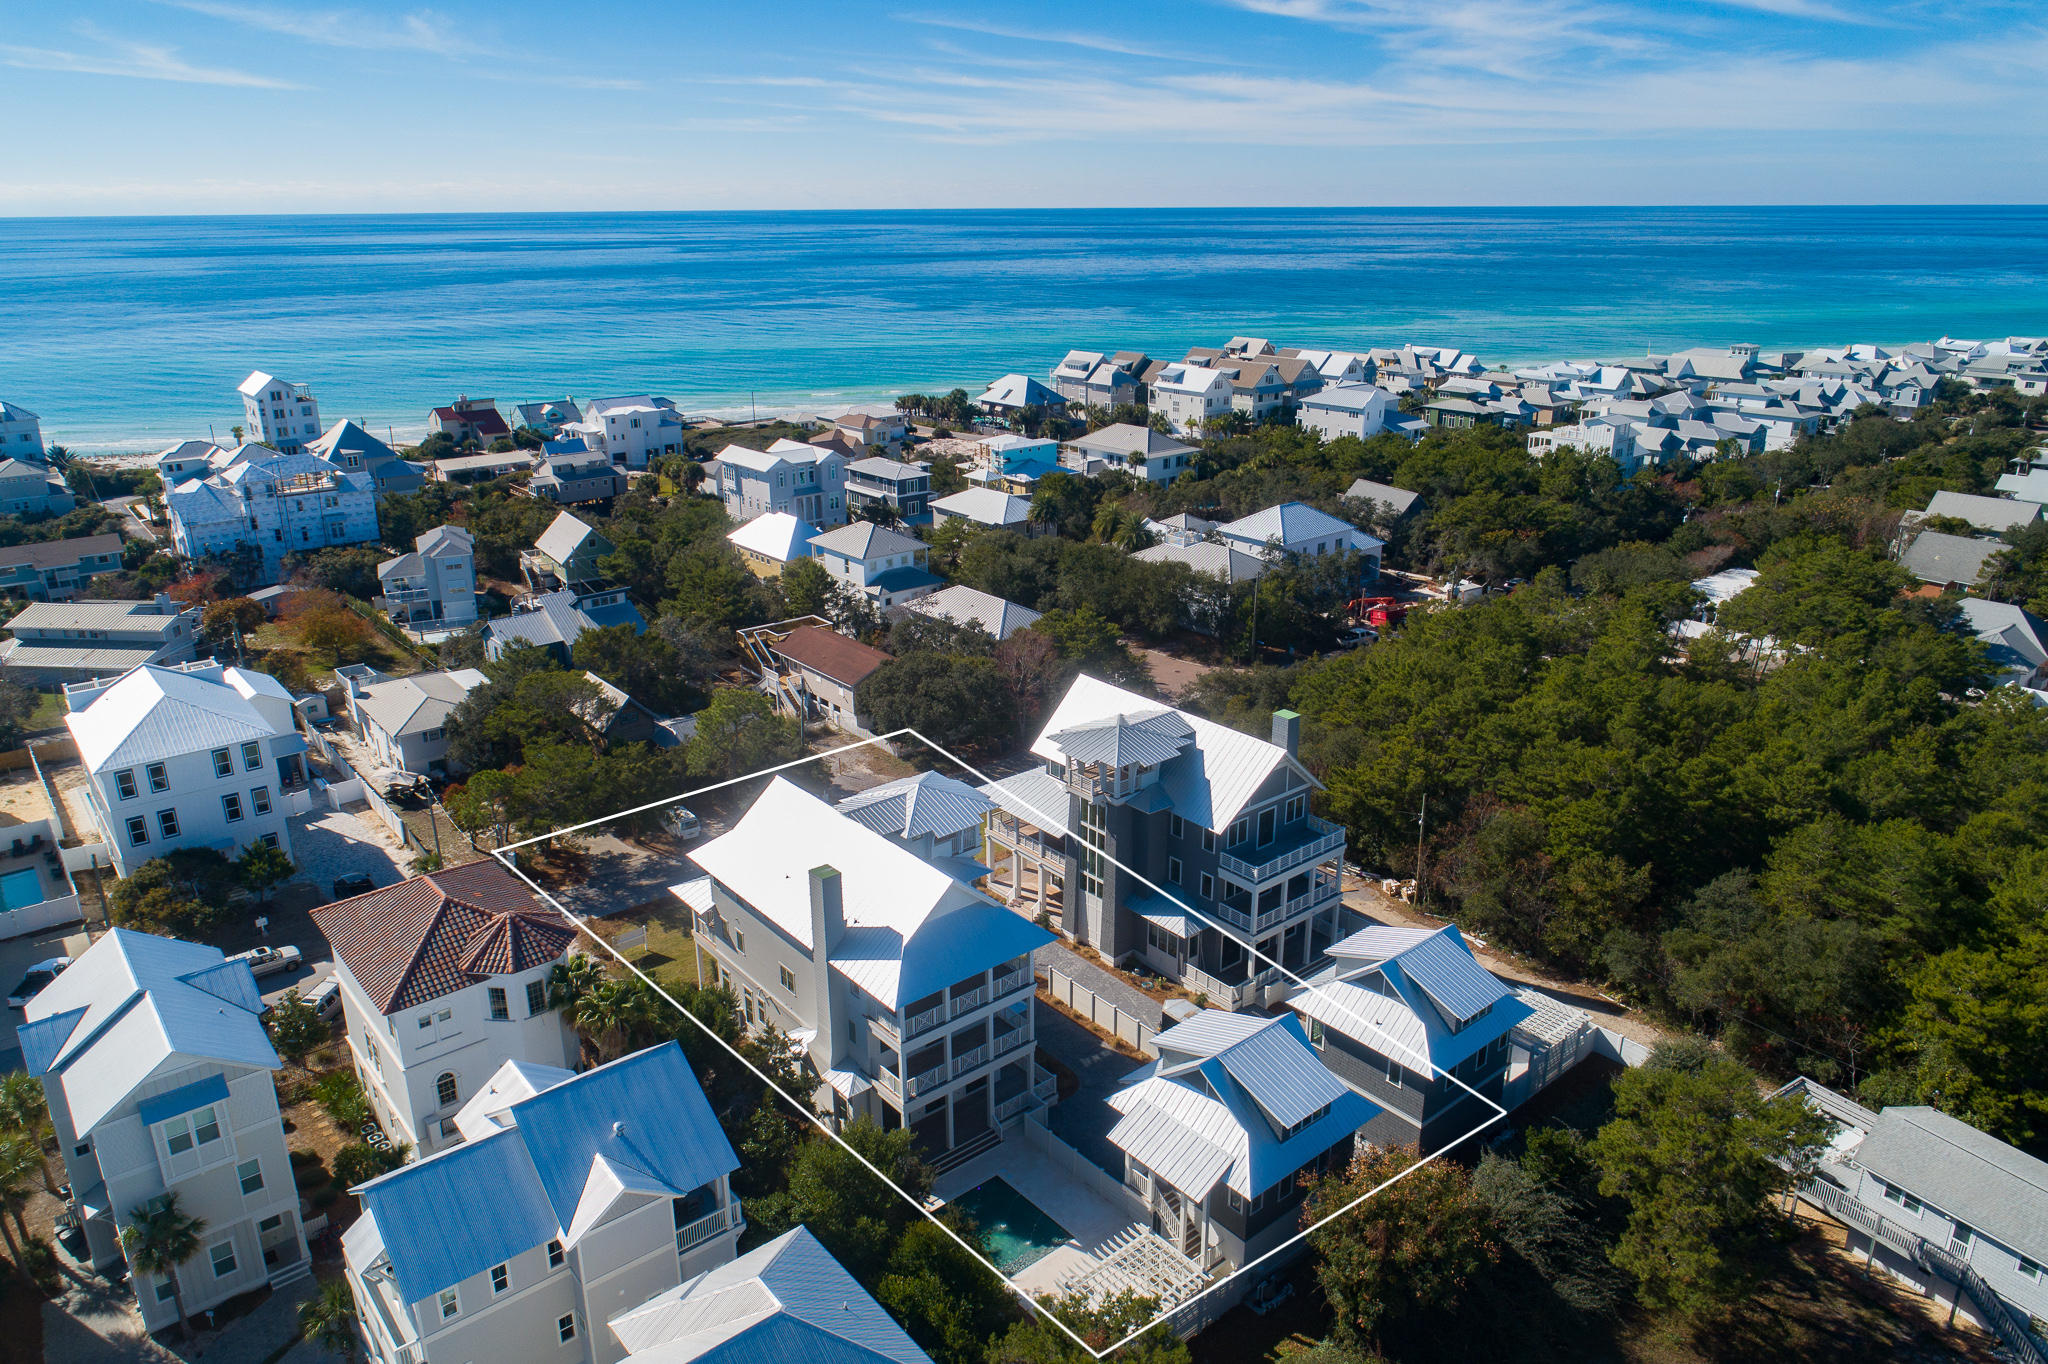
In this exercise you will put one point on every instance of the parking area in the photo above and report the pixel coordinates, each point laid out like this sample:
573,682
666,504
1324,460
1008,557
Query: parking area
330,844
16,956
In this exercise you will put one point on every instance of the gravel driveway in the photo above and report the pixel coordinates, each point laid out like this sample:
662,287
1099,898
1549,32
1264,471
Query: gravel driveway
330,844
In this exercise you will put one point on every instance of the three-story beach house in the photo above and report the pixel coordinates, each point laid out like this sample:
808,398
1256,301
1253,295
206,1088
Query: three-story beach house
909,990
1231,878
575,1198
157,1073
280,414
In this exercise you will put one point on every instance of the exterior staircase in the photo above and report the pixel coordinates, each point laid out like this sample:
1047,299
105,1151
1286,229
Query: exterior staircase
966,1151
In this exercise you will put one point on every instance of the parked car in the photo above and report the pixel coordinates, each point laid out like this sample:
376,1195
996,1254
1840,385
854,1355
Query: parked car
1356,636
39,975
268,961
325,997
682,823
349,886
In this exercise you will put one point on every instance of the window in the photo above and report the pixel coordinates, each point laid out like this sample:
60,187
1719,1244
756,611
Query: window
444,1088
565,1327
536,997
1393,1072
250,1172
450,1305
231,805
166,1290
739,941
223,765
555,1255
205,1126
159,780
501,1278
178,1135
223,1257
1238,831
268,840
1173,870
788,979
500,1010
252,756
1316,1036
259,800
271,1223
1296,808
167,823
1208,886
433,735
124,784
1208,840
1176,826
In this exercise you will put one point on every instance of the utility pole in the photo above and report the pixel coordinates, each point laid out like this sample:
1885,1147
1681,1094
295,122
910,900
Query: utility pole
1421,821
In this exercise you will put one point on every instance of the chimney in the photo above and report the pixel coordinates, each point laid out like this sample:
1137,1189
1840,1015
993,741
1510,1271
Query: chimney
828,926
1287,731
163,605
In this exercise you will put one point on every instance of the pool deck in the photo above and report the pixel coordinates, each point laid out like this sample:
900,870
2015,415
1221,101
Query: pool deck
1090,1221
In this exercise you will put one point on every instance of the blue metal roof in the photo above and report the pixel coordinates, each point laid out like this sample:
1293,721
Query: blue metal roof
645,1112
287,744
1276,1067
1441,966
456,1214
42,1039
212,1090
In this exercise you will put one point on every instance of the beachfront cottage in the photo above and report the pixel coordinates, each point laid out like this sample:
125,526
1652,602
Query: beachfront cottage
193,755
469,421
1397,1009
1346,410
261,503
279,414
28,487
21,433
444,978
574,1199
548,418
1222,1134
1213,823
909,990
1189,395
159,1080
633,431
1137,450
1092,379
1009,396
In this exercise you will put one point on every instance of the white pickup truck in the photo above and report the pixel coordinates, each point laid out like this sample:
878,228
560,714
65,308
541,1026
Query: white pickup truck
268,961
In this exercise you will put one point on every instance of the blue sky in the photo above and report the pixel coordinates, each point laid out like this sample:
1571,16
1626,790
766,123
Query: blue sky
183,106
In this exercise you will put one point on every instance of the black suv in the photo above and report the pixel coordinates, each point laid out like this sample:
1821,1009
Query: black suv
349,886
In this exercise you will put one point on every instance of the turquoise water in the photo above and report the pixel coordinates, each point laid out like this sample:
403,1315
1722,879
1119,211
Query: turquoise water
19,889
1016,1232
133,332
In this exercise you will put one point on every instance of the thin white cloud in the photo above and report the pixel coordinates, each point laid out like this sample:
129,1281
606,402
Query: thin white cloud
1092,42
420,31
1809,9
121,57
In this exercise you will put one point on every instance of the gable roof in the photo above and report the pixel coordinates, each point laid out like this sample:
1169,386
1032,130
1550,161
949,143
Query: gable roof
2015,637
846,661
1217,773
864,540
1227,562
407,705
911,928
347,437
445,539
971,606
566,535
1124,437
1935,557
1411,993
52,553
639,1126
785,1301
1993,514
1020,390
1400,499
1213,1107
1292,523
1971,1175
131,1002
928,803
435,934
155,712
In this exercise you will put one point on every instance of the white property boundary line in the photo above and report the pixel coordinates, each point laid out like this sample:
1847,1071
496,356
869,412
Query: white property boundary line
808,1110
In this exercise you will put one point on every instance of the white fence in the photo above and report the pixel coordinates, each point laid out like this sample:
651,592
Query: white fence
1077,1167
1103,1014
35,918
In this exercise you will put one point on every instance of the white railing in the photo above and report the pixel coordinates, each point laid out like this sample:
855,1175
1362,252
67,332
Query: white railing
1222,995
973,999
924,1019
1007,1042
969,1060
1330,839
1019,979
704,1228
1011,1107
928,1080
890,1082
1046,1087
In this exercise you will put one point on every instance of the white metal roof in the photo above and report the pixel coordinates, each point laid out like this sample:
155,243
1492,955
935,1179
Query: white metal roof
408,705
156,712
928,803
971,606
1209,783
778,535
987,506
132,1002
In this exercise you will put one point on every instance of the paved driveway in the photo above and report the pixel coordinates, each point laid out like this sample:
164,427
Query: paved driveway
330,844
16,956
1083,1119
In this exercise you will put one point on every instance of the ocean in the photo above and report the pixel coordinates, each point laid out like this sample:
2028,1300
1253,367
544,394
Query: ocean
131,333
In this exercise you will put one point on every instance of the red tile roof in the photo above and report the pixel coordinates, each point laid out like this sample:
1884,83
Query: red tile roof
435,934
846,661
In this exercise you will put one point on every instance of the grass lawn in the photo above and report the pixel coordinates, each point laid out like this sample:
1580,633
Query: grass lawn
279,641
49,712
670,955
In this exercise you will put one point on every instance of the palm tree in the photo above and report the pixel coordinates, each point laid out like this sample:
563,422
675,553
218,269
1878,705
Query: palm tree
610,1016
328,1319
573,979
23,1109
18,1157
158,1239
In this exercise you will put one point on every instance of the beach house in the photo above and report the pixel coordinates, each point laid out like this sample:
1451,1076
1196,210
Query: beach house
278,413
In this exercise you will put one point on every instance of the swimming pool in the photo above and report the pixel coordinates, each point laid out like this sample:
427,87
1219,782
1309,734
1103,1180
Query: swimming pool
21,888
1016,1232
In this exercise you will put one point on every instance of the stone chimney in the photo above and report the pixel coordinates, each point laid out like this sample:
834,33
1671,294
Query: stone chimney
1287,731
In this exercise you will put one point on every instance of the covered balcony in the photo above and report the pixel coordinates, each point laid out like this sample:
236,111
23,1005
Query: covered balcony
1309,841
